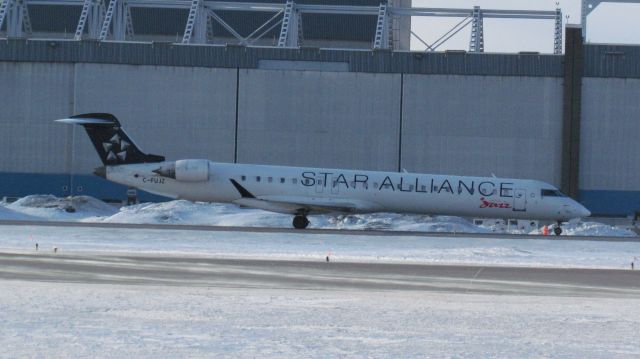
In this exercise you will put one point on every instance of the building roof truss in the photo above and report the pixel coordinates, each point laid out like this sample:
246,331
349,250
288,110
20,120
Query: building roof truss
15,15
102,19
588,6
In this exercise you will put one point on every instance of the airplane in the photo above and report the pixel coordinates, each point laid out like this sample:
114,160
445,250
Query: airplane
301,191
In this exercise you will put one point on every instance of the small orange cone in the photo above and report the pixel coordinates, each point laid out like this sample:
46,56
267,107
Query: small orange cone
545,230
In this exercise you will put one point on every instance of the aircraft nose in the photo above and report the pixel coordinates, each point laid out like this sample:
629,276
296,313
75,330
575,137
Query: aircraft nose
583,211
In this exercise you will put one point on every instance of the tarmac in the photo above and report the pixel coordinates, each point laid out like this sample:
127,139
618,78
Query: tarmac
169,270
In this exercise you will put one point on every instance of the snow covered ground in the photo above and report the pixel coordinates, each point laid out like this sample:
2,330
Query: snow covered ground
305,246
70,320
452,250
114,321
88,209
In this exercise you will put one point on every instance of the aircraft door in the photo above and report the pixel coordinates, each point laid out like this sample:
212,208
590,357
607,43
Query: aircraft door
320,184
520,200
334,186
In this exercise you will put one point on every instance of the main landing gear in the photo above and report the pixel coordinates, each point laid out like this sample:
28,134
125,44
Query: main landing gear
558,230
300,221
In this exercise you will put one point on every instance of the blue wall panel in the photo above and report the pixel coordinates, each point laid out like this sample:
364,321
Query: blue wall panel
611,203
24,184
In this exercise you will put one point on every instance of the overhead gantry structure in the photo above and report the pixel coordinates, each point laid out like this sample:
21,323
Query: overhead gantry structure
104,20
588,6
474,17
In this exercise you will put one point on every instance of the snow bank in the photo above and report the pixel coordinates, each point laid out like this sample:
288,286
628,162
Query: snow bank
186,212
89,209
586,228
49,207
7,214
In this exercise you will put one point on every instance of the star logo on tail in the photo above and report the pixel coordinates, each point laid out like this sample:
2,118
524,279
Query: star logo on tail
116,148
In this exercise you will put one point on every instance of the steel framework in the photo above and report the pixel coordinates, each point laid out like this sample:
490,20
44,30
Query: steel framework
111,19
589,5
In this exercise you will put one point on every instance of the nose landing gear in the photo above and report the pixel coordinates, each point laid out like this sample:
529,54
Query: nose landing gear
300,221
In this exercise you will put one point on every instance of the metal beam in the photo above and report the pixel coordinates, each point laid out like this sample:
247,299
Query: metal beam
119,22
476,43
196,22
262,27
557,40
4,10
228,27
381,40
15,14
92,18
289,30
106,24
588,6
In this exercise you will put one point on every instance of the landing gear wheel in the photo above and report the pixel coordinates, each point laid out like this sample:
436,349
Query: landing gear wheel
300,222
558,230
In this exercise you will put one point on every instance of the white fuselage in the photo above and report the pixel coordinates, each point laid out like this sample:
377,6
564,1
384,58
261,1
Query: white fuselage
279,188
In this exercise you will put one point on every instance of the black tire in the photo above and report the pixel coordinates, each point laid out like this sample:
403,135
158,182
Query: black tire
557,231
300,222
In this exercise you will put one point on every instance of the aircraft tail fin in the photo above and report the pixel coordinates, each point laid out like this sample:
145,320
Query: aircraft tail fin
109,139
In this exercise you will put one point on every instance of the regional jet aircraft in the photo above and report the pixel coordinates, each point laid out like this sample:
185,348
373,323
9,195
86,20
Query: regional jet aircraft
301,191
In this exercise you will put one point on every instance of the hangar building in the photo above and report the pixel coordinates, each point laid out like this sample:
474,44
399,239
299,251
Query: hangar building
569,119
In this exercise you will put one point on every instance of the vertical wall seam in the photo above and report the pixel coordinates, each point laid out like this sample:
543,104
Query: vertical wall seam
235,141
400,128
572,102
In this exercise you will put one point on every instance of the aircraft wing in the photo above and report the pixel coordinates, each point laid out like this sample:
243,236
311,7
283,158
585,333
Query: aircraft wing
295,204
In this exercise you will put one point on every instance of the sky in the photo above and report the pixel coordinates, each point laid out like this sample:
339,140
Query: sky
608,23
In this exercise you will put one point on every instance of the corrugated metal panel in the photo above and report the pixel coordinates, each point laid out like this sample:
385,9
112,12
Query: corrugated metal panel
231,56
478,125
612,61
344,120
609,130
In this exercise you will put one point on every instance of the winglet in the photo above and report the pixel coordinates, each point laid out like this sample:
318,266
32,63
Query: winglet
243,191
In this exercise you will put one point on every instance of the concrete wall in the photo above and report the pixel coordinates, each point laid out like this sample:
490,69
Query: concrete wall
324,119
479,125
610,143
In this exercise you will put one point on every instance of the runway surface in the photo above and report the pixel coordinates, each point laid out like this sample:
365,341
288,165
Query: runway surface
308,275
346,232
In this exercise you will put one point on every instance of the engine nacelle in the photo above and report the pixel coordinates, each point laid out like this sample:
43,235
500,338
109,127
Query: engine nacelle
192,170
186,170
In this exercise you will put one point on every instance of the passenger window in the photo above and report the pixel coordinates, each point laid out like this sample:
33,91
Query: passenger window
244,178
270,179
319,182
257,178
423,188
294,180
281,179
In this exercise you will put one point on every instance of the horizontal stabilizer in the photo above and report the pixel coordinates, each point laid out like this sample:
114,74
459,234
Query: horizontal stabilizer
85,121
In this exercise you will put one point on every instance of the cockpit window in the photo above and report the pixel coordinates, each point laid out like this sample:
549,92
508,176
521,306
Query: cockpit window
552,193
